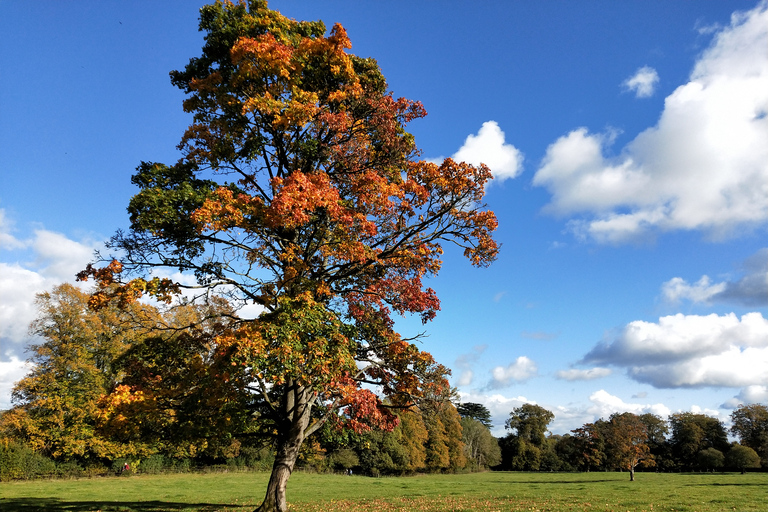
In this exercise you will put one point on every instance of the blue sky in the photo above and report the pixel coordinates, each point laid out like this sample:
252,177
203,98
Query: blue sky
629,141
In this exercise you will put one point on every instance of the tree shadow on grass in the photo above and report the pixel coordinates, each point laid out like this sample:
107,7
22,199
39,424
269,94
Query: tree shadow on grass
55,505
559,482
728,484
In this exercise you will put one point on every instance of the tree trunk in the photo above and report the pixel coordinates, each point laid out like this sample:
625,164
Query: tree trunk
298,408
275,499
632,474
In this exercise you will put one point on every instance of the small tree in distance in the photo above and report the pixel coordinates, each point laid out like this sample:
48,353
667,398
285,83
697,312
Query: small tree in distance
711,459
627,442
742,457
301,191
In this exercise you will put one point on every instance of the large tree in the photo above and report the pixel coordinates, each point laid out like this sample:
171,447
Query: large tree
750,424
590,445
481,448
529,422
300,191
523,447
124,382
56,404
692,433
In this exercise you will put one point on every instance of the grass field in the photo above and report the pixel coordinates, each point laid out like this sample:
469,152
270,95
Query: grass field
485,492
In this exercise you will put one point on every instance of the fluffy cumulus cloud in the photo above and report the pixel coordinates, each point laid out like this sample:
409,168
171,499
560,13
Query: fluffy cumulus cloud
703,166
11,371
751,289
519,370
30,265
643,82
588,374
690,351
490,148
755,394
703,290
601,405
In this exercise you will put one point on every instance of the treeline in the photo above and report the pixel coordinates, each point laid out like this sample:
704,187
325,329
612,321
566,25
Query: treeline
133,384
625,441
134,387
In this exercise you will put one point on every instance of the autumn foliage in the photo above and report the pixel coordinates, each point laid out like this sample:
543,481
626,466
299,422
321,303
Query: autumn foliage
301,191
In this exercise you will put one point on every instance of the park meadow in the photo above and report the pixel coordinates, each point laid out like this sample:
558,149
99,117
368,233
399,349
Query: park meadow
312,492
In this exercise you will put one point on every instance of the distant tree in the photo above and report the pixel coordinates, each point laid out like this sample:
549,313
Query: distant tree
590,445
451,421
742,457
627,442
443,448
128,381
529,422
411,437
344,458
692,433
56,404
523,447
710,459
567,451
750,425
550,460
658,429
480,447
475,411
525,456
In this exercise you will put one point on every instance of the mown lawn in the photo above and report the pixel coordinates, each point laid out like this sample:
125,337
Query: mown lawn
485,492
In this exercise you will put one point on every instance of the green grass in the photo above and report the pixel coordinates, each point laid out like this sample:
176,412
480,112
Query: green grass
484,492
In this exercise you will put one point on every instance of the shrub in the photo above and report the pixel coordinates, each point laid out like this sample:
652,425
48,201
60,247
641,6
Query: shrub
154,464
19,461
69,469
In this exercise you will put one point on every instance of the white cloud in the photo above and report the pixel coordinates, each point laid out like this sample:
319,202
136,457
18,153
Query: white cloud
465,378
754,394
18,287
55,259
643,82
11,371
691,351
702,291
520,370
604,404
489,147
588,374
60,258
749,290
7,240
601,405
703,166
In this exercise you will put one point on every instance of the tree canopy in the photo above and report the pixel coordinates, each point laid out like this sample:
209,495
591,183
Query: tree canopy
301,191
750,424
529,422
475,411
73,367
